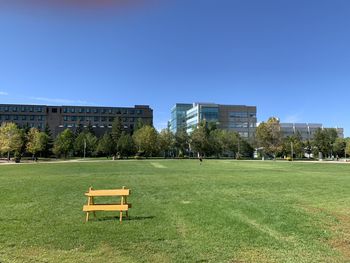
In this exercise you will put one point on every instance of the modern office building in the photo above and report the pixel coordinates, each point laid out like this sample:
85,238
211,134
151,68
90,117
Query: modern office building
306,130
239,118
178,116
59,118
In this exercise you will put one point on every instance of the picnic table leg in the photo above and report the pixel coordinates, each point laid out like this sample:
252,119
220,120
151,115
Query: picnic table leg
127,211
93,202
120,216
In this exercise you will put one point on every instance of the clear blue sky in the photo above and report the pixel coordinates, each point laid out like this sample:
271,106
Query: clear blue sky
289,58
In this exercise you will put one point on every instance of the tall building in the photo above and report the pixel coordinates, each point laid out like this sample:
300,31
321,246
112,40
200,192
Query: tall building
178,116
306,130
59,118
239,118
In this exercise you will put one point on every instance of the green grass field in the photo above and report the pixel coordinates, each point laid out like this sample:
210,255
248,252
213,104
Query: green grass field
221,211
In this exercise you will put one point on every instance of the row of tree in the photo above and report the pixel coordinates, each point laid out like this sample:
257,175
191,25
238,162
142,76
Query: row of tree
325,142
206,140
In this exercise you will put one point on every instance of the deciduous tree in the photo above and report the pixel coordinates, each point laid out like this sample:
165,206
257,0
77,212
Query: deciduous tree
64,143
146,140
269,136
36,141
11,139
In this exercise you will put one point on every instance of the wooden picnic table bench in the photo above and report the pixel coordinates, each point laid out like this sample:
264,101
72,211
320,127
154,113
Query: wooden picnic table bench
122,206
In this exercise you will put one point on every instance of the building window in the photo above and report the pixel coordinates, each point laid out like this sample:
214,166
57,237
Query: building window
81,118
118,111
96,118
110,111
238,114
95,110
65,118
14,109
54,110
88,110
6,108
111,119
132,112
125,111
39,109
243,134
23,109
138,112
73,118
72,110
31,109
32,117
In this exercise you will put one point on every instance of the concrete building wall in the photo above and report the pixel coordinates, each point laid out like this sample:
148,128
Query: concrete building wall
59,118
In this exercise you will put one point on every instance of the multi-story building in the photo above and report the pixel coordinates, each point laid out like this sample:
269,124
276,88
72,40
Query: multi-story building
178,116
306,130
59,118
239,118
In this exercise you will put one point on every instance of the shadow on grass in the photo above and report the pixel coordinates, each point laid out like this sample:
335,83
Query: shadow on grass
130,218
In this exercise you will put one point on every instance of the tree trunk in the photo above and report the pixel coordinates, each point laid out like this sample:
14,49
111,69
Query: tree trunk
8,156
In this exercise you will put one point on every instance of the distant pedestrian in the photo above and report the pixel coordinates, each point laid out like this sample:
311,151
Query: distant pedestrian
200,160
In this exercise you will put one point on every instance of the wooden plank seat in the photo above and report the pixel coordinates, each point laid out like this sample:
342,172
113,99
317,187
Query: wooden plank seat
122,206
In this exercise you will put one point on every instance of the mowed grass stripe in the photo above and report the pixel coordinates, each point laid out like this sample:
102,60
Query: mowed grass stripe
215,212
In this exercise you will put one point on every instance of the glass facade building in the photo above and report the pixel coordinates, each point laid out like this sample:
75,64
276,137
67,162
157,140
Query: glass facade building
239,118
306,130
178,117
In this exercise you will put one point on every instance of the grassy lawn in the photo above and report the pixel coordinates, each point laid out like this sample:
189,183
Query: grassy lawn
221,211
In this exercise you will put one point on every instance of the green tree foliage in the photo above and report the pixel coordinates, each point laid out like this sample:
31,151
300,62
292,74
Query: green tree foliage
324,140
245,149
78,130
215,142
139,124
106,145
200,141
47,151
90,129
294,143
347,149
182,141
117,129
166,142
36,141
146,140
11,139
64,143
229,142
87,141
126,146
269,137
339,147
